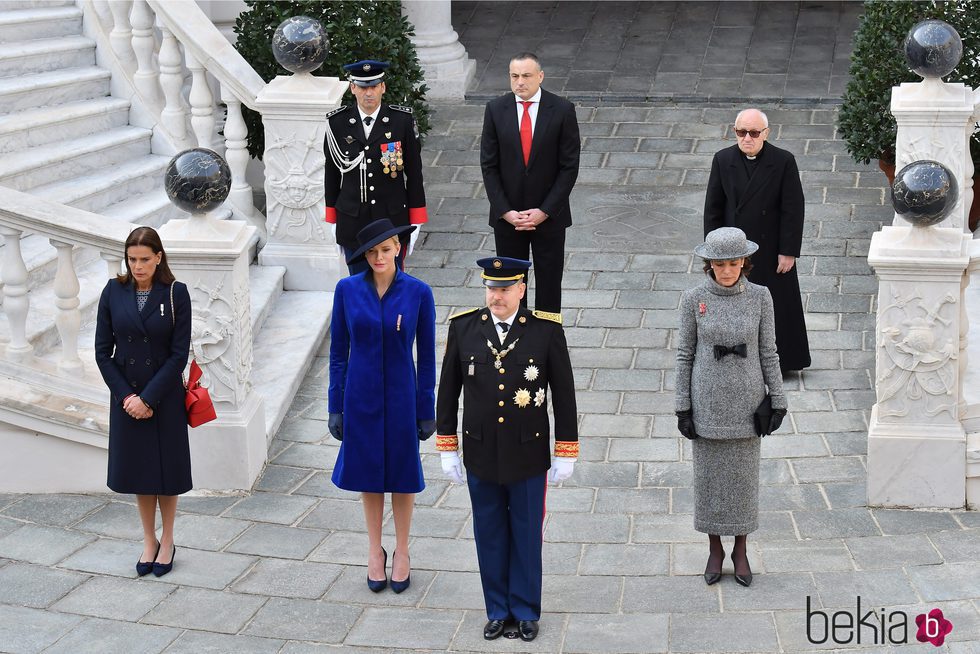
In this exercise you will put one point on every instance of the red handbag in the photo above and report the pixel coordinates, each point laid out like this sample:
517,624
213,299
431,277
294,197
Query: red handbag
200,408
197,400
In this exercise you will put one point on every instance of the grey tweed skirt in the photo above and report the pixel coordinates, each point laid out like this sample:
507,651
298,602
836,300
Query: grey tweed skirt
726,485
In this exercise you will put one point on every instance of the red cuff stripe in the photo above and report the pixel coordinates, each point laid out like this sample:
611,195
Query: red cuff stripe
418,215
330,215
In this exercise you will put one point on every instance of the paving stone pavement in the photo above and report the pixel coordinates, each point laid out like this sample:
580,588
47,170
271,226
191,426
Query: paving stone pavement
282,570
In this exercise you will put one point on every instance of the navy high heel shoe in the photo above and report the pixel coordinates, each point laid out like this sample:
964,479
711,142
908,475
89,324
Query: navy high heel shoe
379,585
160,569
400,586
144,568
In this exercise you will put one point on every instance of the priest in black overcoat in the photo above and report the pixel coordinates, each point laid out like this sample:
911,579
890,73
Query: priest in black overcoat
756,187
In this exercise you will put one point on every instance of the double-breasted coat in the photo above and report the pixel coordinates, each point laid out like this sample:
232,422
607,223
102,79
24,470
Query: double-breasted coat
375,384
144,352
506,429
769,208
400,197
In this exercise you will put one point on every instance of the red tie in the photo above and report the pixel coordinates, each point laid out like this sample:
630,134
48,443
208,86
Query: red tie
526,131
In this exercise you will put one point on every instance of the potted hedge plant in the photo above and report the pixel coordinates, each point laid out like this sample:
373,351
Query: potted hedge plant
364,29
878,63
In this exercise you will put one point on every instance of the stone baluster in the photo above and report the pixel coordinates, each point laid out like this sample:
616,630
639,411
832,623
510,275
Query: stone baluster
113,264
121,36
174,114
236,154
202,103
69,318
146,77
16,301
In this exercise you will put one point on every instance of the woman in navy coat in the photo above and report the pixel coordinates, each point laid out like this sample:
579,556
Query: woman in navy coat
142,341
380,406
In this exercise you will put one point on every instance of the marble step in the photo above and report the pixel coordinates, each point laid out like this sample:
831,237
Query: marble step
151,209
71,158
46,54
284,348
51,88
100,189
39,22
27,129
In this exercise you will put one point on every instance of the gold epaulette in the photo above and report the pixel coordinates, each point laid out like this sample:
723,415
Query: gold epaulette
336,111
464,312
567,449
547,315
447,443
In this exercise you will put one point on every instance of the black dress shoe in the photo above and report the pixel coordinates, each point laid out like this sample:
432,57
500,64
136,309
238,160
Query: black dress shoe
399,586
493,629
379,585
746,579
160,569
144,568
528,629
712,577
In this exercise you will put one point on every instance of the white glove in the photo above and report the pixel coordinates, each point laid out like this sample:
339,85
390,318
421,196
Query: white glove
333,231
412,239
561,468
452,465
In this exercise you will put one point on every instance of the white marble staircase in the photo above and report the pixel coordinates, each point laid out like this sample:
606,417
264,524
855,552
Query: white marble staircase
63,137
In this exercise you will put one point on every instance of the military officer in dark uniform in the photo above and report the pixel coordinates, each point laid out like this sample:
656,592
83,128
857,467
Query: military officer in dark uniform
374,164
505,358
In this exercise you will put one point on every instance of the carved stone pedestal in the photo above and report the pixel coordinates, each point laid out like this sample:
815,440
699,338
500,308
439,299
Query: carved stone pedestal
916,442
210,256
294,112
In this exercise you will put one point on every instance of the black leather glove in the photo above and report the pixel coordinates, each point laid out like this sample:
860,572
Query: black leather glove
685,424
335,423
775,420
426,429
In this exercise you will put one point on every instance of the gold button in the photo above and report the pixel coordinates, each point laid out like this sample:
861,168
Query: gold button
500,419
500,403
530,360
471,358
502,371
501,387
537,434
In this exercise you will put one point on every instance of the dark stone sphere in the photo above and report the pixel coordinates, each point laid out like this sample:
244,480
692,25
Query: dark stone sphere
924,192
300,44
197,180
933,49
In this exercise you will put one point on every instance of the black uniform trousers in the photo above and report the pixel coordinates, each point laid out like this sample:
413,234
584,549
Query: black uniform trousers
547,243
507,524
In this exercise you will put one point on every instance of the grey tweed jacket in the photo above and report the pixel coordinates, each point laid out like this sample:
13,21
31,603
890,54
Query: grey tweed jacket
723,394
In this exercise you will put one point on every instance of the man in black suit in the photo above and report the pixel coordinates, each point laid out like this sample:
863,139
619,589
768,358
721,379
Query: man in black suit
374,163
530,156
755,186
505,358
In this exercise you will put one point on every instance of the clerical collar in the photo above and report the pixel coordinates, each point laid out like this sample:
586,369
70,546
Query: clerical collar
756,155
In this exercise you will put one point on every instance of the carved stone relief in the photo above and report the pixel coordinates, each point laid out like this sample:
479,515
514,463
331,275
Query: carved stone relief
294,170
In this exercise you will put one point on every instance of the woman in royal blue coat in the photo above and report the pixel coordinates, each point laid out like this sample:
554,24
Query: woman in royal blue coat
142,341
380,406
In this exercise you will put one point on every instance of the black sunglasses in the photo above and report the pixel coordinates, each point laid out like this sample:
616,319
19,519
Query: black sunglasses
754,133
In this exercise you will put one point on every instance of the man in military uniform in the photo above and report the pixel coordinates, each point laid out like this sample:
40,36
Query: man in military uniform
504,358
374,164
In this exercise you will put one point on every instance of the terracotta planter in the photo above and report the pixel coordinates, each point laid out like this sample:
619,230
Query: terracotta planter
974,216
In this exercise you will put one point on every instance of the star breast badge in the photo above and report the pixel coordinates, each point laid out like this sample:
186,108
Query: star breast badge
531,373
539,397
522,397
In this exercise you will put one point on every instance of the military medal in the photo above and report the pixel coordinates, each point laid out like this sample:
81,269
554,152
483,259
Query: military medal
472,369
531,373
387,135
539,397
398,155
500,355
522,397
349,139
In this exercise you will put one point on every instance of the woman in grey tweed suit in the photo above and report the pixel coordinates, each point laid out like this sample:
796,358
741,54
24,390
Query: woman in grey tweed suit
726,357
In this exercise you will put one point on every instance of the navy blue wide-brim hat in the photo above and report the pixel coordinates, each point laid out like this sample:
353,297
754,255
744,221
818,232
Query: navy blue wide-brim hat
366,72
503,271
378,231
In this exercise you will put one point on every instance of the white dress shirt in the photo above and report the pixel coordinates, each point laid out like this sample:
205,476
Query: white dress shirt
533,109
508,321
374,120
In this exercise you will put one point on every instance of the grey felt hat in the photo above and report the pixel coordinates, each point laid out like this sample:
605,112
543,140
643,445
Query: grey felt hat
725,243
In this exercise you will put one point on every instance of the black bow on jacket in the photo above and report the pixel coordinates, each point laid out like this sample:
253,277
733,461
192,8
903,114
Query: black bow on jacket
721,351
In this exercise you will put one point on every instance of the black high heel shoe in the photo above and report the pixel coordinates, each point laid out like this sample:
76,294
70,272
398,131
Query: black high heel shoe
144,568
380,584
160,569
746,579
400,586
712,577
